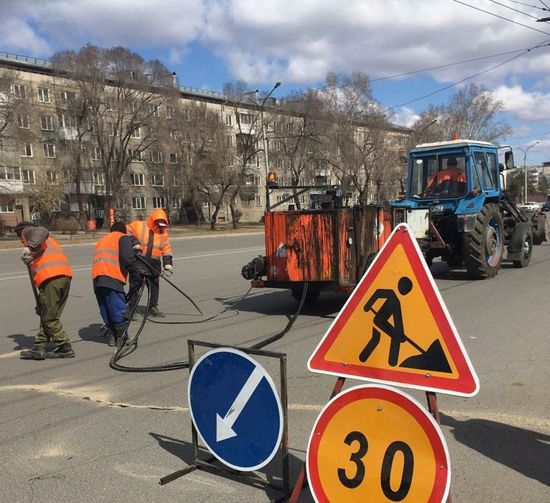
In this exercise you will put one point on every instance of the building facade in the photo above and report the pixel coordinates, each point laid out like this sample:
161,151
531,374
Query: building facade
56,157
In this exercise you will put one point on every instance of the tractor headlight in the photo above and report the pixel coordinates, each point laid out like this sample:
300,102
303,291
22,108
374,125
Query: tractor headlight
466,223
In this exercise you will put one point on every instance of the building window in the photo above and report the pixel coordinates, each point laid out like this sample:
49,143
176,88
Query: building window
49,150
173,134
26,150
169,112
156,156
159,202
111,128
7,207
137,179
67,120
99,179
43,95
173,158
29,177
136,132
258,201
138,203
51,177
19,91
96,154
245,119
134,155
10,173
23,121
157,180
46,123
119,202
228,120
67,95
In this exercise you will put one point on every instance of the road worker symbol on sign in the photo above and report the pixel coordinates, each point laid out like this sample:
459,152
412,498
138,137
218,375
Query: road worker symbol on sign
395,328
433,359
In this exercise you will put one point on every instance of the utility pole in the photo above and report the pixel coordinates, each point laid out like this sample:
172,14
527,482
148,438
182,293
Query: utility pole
525,168
264,138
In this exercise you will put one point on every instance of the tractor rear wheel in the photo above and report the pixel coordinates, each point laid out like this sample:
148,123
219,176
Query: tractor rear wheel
484,246
526,249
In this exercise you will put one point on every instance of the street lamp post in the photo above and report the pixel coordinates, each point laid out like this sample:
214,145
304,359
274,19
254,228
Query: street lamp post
525,168
264,141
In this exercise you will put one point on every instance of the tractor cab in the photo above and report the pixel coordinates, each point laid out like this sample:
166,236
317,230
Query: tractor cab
457,208
444,174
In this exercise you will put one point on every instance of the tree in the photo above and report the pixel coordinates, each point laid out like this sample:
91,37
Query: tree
356,139
297,141
207,154
122,95
471,113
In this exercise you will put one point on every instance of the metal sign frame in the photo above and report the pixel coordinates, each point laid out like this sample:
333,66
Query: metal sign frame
209,463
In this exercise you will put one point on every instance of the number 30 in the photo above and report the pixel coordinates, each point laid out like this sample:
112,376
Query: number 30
360,470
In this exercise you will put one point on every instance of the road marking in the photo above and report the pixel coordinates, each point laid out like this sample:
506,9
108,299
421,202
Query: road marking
190,257
100,397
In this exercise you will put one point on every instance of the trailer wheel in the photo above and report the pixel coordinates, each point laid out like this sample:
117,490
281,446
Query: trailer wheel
311,296
526,249
484,246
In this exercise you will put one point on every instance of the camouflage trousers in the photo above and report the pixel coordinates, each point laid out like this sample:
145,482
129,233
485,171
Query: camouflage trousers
52,297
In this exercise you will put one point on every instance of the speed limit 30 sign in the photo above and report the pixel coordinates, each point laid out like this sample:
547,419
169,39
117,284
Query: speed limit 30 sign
375,443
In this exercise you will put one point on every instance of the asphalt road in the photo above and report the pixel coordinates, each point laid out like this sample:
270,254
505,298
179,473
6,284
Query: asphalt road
76,430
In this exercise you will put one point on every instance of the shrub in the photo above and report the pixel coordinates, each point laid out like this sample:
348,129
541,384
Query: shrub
67,225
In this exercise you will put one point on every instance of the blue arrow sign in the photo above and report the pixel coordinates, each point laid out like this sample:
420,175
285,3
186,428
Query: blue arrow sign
235,408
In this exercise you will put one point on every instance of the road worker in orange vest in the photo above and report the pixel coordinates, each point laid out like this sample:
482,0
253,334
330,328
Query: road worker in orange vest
154,244
51,275
450,181
114,259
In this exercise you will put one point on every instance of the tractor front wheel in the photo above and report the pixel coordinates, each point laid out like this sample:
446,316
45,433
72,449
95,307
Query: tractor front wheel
484,246
526,249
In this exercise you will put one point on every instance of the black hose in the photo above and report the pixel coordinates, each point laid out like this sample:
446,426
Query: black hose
127,345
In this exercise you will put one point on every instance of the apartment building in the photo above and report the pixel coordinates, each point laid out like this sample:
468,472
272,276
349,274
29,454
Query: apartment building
53,160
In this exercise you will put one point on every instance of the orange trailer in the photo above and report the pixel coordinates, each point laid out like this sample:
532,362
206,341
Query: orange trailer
327,249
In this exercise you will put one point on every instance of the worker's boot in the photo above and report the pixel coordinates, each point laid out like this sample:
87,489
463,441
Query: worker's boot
63,351
37,352
155,312
119,333
111,339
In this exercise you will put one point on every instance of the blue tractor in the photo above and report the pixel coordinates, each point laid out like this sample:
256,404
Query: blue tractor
458,209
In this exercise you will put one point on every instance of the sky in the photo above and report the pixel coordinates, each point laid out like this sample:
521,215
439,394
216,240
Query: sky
408,48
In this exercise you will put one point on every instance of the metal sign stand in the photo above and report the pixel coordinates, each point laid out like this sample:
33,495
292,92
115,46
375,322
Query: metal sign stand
244,477
301,481
434,411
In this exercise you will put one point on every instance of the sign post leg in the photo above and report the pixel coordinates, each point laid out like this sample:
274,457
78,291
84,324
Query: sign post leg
301,479
434,411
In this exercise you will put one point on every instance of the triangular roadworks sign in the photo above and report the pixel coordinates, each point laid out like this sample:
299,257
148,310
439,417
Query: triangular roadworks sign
395,328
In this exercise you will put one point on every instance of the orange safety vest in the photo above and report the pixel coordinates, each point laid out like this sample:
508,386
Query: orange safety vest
442,176
161,243
106,258
52,263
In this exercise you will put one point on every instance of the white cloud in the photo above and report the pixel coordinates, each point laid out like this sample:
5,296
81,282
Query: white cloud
530,106
405,117
295,41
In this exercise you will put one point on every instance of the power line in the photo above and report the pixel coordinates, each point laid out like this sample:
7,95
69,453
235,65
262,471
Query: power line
462,80
527,136
528,5
423,70
548,8
515,10
501,17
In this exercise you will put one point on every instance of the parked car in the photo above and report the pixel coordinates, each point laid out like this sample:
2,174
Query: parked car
530,206
546,206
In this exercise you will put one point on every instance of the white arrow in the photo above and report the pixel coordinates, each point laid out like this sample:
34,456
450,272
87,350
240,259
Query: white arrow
224,426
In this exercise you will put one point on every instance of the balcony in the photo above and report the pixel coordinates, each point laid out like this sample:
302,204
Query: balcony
85,188
68,133
11,186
